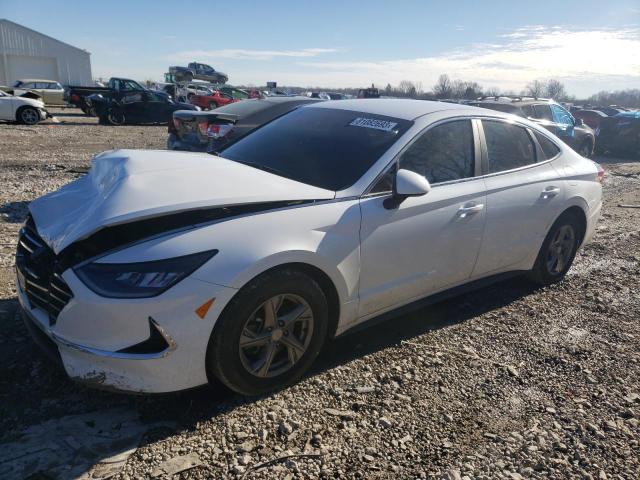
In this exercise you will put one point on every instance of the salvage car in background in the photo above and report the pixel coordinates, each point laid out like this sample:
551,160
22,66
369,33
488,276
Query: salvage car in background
620,135
147,106
52,92
548,114
212,99
212,131
158,271
593,118
116,88
199,71
21,109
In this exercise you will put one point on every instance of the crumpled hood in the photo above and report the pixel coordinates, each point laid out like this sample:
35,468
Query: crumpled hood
128,185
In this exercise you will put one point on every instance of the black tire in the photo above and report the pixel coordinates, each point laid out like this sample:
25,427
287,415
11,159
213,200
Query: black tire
189,95
224,353
116,117
28,116
586,149
543,272
188,77
213,105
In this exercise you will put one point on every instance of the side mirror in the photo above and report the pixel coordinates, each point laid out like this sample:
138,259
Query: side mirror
407,184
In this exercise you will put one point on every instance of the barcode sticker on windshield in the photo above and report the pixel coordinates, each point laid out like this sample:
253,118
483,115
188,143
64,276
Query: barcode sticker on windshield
373,123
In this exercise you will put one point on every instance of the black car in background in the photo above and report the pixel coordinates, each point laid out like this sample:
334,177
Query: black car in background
550,115
145,106
213,130
620,135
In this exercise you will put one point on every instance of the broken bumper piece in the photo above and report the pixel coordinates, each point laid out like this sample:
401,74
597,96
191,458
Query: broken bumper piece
151,346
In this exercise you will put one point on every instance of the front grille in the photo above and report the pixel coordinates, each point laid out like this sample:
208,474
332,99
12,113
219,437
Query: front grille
39,275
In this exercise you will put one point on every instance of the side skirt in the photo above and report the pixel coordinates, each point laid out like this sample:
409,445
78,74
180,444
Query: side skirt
432,299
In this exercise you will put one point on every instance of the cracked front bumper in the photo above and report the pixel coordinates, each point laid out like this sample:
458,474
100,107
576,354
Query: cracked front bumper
94,337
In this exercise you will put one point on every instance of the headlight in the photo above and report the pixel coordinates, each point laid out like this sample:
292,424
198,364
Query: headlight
139,280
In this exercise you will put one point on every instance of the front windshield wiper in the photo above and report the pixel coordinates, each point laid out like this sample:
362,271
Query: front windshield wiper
266,168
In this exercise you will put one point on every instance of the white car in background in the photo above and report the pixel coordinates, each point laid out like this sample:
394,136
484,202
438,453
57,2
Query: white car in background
160,270
20,109
52,92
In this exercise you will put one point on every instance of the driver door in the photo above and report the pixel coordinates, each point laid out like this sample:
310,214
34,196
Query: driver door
431,242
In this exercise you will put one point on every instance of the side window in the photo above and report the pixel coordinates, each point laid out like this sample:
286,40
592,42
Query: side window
561,116
543,112
549,148
385,183
508,146
528,111
442,153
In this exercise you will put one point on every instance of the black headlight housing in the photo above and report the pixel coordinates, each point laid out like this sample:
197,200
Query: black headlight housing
142,279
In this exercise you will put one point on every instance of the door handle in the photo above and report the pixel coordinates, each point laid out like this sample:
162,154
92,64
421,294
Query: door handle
550,192
470,209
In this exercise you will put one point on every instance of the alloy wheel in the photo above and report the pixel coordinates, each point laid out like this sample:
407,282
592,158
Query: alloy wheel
560,249
276,335
29,116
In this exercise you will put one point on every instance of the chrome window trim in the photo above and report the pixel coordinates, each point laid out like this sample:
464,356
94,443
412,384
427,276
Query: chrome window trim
518,169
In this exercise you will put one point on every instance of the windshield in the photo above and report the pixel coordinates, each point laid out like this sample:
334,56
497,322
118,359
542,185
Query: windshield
326,148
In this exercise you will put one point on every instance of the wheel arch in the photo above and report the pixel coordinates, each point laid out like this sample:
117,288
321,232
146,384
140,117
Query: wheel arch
332,284
23,107
578,212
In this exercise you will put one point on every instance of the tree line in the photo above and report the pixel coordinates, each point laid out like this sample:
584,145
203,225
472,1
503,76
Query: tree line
456,89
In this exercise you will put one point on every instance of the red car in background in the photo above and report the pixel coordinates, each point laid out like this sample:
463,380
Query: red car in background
215,100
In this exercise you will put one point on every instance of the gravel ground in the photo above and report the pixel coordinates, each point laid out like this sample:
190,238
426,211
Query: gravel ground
506,382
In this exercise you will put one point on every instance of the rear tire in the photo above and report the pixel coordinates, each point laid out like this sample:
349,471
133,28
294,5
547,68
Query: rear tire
213,105
28,116
291,344
558,251
586,149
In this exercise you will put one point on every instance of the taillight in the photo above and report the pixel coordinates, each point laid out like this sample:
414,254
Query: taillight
600,173
174,125
75,98
216,130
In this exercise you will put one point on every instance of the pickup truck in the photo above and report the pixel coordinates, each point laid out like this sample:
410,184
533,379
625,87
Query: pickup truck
116,88
199,71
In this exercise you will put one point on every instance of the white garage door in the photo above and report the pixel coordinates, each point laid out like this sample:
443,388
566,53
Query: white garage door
22,66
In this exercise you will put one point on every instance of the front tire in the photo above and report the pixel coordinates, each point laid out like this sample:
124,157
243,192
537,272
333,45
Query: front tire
270,333
213,105
28,116
558,251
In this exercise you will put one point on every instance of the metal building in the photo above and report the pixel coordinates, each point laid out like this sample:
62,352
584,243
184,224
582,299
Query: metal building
25,53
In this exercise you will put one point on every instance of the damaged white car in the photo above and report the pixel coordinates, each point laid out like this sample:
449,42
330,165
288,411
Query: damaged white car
159,270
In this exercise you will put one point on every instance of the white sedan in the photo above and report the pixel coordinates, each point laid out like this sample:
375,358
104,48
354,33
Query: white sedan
21,109
159,270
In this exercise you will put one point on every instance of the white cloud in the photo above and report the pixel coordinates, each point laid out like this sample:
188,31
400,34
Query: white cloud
586,61
246,54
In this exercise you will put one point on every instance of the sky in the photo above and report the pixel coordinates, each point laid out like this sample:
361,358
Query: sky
588,45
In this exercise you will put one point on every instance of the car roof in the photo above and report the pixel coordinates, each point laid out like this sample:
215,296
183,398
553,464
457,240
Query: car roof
37,80
406,109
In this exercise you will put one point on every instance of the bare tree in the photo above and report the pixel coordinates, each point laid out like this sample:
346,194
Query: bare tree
407,88
555,89
536,88
443,88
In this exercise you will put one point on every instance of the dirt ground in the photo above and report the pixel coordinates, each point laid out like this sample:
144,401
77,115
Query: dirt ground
506,382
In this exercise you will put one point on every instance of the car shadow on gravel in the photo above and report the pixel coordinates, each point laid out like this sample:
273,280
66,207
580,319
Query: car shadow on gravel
32,390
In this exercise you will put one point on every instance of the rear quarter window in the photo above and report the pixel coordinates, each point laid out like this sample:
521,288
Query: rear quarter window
549,149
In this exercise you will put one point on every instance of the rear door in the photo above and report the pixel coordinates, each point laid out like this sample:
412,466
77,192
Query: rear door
524,194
